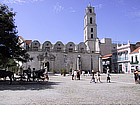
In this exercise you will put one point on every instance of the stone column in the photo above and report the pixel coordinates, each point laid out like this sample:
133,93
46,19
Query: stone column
100,64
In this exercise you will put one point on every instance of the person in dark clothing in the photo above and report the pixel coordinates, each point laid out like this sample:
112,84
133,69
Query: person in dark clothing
139,76
78,75
108,78
93,77
136,76
28,74
72,75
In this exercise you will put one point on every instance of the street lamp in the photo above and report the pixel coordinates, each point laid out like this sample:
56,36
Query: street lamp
91,63
79,63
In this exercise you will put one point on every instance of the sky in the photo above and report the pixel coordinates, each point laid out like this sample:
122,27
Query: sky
63,20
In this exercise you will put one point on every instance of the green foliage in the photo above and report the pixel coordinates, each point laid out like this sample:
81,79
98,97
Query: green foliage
9,46
63,71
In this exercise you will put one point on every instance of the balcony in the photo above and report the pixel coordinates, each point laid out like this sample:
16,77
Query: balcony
136,62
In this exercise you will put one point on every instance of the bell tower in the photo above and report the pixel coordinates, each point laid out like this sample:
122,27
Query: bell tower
90,29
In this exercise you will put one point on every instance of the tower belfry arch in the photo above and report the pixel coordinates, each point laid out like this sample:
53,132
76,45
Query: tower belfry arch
90,28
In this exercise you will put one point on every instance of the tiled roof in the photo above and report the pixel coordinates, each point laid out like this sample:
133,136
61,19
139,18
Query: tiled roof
135,51
122,50
28,42
107,56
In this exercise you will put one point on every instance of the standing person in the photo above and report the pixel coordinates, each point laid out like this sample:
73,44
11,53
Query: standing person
136,76
108,77
78,75
28,74
93,77
75,74
72,74
139,76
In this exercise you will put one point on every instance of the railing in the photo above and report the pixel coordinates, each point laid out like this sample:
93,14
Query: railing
136,62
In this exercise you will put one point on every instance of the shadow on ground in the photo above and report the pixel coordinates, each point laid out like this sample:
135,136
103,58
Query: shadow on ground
16,85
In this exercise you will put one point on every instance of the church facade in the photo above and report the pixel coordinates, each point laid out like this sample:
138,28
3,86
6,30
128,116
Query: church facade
84,56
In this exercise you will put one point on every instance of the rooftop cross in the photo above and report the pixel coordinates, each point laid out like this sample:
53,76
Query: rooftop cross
90,3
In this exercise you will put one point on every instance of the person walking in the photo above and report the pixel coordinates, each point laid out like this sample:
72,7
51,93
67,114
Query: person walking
93,77
108,78
98,76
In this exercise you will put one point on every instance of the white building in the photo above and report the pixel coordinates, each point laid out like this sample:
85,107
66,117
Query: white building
125,56
123,52
83,56
135,58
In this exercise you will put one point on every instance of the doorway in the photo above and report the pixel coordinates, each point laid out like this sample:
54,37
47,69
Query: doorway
47,64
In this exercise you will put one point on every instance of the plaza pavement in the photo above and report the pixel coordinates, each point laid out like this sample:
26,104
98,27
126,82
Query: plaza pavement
62,90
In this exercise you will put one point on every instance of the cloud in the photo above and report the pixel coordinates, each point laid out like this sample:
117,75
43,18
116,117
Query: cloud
99,6
134,14
20,1
58,8
14,1
122,2
71,10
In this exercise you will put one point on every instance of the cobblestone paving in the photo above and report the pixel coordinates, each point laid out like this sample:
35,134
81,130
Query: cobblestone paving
63,91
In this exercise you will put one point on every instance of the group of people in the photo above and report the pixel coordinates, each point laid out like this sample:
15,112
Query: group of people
137,76
34,74
96,76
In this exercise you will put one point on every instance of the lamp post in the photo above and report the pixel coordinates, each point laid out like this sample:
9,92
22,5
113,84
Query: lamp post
91,63
79,62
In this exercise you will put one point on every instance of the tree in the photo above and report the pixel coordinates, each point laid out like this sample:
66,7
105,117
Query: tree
9,46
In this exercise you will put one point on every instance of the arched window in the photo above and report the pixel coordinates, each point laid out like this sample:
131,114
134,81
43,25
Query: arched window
91,20
59,46
35,45
70,47
47,46
82,47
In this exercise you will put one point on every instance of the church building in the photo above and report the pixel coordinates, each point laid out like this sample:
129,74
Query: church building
84,56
